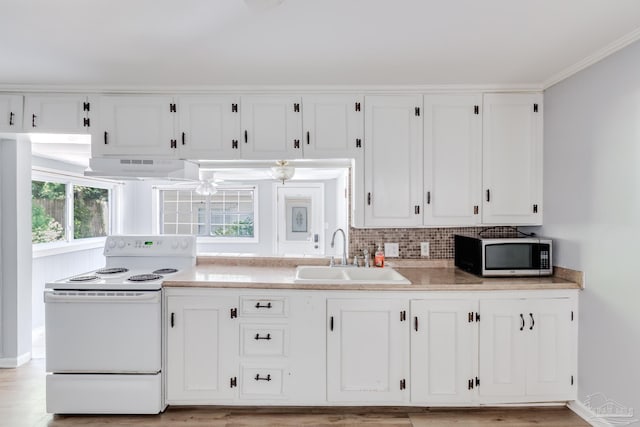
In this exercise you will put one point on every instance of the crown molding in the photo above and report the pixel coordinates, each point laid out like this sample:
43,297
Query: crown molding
599,55
270,89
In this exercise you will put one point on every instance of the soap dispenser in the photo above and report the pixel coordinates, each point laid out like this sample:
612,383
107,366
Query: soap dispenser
379,257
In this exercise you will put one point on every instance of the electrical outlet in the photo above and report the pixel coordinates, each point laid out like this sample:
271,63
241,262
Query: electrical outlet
391,250
424,249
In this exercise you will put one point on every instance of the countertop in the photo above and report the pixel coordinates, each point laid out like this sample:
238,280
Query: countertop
280,273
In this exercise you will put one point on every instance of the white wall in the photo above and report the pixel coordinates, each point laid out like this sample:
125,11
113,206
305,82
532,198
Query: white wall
592,210
138,216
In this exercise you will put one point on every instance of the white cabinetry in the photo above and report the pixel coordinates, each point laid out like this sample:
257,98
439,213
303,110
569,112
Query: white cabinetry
393,161
333,126
57,113
135,126
202,349
272,127
10,113
367,357
443,351
209,127
512,159
452,159
527,350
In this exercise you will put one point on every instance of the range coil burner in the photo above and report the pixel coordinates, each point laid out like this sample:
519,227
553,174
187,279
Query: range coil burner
83,278
114,270
165,271
144,277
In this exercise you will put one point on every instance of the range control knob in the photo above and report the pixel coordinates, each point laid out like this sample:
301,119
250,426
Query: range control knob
121,243
184,243
111,243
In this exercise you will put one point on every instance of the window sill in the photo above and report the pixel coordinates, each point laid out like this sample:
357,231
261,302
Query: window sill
225,240
41,250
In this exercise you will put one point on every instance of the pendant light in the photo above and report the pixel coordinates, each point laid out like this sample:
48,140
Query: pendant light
283,171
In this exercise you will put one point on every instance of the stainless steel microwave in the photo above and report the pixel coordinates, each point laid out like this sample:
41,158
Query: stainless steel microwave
518,256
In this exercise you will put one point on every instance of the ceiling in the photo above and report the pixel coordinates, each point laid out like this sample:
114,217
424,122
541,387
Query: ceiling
187,43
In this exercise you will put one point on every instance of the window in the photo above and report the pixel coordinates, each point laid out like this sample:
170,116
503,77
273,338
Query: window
65,209
229,214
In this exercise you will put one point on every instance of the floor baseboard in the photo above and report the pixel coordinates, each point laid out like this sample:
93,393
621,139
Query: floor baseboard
587,414
14,362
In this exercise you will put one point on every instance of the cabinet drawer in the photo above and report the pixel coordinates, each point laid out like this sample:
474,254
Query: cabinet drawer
258,383
263,307
263,340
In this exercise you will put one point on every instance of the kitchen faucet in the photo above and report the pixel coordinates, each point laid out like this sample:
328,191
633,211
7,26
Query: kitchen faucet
344,244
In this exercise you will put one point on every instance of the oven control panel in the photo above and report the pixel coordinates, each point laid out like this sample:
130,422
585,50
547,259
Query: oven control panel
150,245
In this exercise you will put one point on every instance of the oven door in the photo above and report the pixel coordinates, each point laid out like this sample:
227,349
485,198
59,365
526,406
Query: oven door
103,331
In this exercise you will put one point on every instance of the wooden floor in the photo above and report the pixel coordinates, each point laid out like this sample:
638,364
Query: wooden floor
22,403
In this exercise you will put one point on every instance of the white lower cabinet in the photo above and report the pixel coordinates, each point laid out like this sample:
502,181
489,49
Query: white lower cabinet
314,347
444,351
367,357
527,350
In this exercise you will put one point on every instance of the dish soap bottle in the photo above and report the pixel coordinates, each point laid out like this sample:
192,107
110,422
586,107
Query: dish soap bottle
379,257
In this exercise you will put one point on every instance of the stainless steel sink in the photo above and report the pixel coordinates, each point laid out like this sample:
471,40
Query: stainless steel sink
349,275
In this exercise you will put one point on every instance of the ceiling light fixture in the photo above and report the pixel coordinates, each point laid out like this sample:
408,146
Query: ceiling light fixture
283,172
207,186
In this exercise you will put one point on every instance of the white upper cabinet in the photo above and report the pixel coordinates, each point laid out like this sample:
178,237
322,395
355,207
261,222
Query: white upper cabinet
512,159
57,113
135,125
209,127
393,161
10,113
443,351
272,127
333,126
452,159
367,359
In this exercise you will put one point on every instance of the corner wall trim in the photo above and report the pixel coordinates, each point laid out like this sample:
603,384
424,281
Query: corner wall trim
14,362
587,414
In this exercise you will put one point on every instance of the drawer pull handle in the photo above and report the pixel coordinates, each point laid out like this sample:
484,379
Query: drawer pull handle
522,321
258,305
267,378
258,337
533,322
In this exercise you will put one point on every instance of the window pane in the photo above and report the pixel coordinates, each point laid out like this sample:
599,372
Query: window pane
90,212
48,200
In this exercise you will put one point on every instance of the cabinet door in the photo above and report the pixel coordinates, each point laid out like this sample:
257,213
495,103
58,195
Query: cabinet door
10,113
443,351
333,126
502,350
452,159
135,125
272,127
512,159
393,161
202,349
367,357
550,347
57,113
209,127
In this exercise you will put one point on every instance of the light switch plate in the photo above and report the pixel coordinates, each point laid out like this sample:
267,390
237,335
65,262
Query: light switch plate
424,249
391,250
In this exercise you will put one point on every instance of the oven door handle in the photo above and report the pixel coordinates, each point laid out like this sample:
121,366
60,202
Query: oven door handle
101,296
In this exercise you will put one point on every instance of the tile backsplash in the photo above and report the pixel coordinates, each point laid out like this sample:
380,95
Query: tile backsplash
440,239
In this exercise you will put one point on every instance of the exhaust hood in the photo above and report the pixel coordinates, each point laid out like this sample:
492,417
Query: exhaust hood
132,169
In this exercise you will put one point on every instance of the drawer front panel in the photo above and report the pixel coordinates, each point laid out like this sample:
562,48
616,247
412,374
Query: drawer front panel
263,340
263,307
260,383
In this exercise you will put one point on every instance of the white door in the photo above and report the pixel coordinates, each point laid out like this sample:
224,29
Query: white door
367,359
502,350
209,127
300,219
202,349
393,161
135,125
272,127
333,126
56,113
10,113
550,348
443,351
452,159
512,159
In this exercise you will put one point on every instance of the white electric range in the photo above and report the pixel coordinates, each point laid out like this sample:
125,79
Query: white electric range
103,328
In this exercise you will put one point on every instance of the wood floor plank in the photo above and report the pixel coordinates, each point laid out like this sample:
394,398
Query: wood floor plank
22,404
